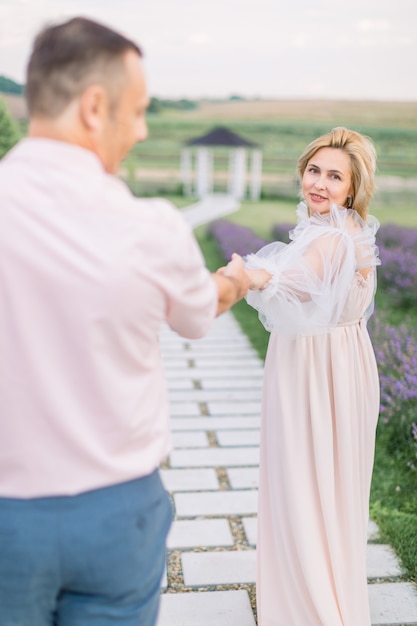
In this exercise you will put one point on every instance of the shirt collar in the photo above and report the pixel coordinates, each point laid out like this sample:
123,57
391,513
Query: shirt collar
52,152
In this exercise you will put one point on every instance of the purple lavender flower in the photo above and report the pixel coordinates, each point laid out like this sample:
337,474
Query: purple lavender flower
281,232
398,272
235,238
396,354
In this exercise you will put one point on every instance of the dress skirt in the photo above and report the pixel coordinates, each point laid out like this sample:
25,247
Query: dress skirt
320,410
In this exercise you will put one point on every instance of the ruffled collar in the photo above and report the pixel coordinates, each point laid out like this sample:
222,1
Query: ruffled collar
336,218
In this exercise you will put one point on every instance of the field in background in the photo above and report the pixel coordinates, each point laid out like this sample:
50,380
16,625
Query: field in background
282,129
389,114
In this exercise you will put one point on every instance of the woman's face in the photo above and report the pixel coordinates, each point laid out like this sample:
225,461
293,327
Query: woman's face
326,180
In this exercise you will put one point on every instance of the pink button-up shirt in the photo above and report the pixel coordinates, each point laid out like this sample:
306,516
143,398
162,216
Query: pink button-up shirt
88,274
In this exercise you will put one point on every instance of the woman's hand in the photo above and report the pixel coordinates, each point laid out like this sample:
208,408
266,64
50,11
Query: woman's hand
258,279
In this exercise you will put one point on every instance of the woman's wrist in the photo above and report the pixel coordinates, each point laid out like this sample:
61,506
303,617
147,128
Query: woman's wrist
259,279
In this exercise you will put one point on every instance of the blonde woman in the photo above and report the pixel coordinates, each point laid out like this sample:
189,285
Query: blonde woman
321,393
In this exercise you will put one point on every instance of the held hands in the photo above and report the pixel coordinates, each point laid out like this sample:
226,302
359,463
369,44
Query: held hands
248,279
236,272
258,279
233,282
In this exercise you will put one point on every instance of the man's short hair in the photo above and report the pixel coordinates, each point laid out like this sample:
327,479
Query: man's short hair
67,58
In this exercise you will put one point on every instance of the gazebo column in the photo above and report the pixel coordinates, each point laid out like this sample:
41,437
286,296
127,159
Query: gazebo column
210,171
186,171
237,173
204,181
256,175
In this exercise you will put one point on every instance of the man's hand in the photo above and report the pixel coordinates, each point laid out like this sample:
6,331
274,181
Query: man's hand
235,270
232,283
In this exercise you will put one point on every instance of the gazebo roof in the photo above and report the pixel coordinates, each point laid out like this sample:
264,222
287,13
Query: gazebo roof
221,136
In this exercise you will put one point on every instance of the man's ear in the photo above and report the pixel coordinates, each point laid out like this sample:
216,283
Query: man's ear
93,107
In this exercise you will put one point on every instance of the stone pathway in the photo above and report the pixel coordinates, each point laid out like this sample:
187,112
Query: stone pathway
211,207
212,474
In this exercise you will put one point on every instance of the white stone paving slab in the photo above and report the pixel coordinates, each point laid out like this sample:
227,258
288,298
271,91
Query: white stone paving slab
215,457
214,423
216,503
250,524
182,409
238,437
224,361
234,408
219,568
177,360
196,533
237,382
164,581
173,375
216,395
243,477
382,562
210,343
379,558
180,384
373,531
222,373
221,337
393,604
230,349
216,608
194,439
211,568
189,479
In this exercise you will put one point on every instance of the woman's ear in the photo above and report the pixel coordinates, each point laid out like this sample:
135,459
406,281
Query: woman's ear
349,202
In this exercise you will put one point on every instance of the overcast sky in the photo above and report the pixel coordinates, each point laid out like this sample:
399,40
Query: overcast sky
348,49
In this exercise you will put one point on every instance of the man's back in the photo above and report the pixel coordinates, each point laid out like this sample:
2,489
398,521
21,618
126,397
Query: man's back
88,275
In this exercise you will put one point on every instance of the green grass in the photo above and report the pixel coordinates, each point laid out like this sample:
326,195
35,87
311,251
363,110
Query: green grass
393,503
394,315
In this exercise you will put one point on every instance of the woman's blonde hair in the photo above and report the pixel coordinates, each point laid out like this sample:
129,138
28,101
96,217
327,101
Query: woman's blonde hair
361,151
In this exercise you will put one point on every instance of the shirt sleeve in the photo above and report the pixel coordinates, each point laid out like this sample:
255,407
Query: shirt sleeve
192,303
190,293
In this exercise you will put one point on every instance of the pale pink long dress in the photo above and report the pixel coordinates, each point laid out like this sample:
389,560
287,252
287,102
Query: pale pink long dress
320,409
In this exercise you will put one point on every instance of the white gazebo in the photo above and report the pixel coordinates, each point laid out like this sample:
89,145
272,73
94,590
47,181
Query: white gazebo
199,151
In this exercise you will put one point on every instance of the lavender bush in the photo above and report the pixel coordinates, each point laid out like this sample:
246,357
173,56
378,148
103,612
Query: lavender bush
398,275
235,238
398,272
395,236
396,354
280,232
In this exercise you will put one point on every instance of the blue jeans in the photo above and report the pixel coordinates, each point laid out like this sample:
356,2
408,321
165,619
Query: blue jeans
92,559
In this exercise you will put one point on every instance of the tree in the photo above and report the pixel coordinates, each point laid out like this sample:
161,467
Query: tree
8,131
7,85
155,105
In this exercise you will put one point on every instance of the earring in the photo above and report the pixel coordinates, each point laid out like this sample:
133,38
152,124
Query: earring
349,204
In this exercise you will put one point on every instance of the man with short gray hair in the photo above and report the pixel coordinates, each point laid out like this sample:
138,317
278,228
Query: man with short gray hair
88,276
